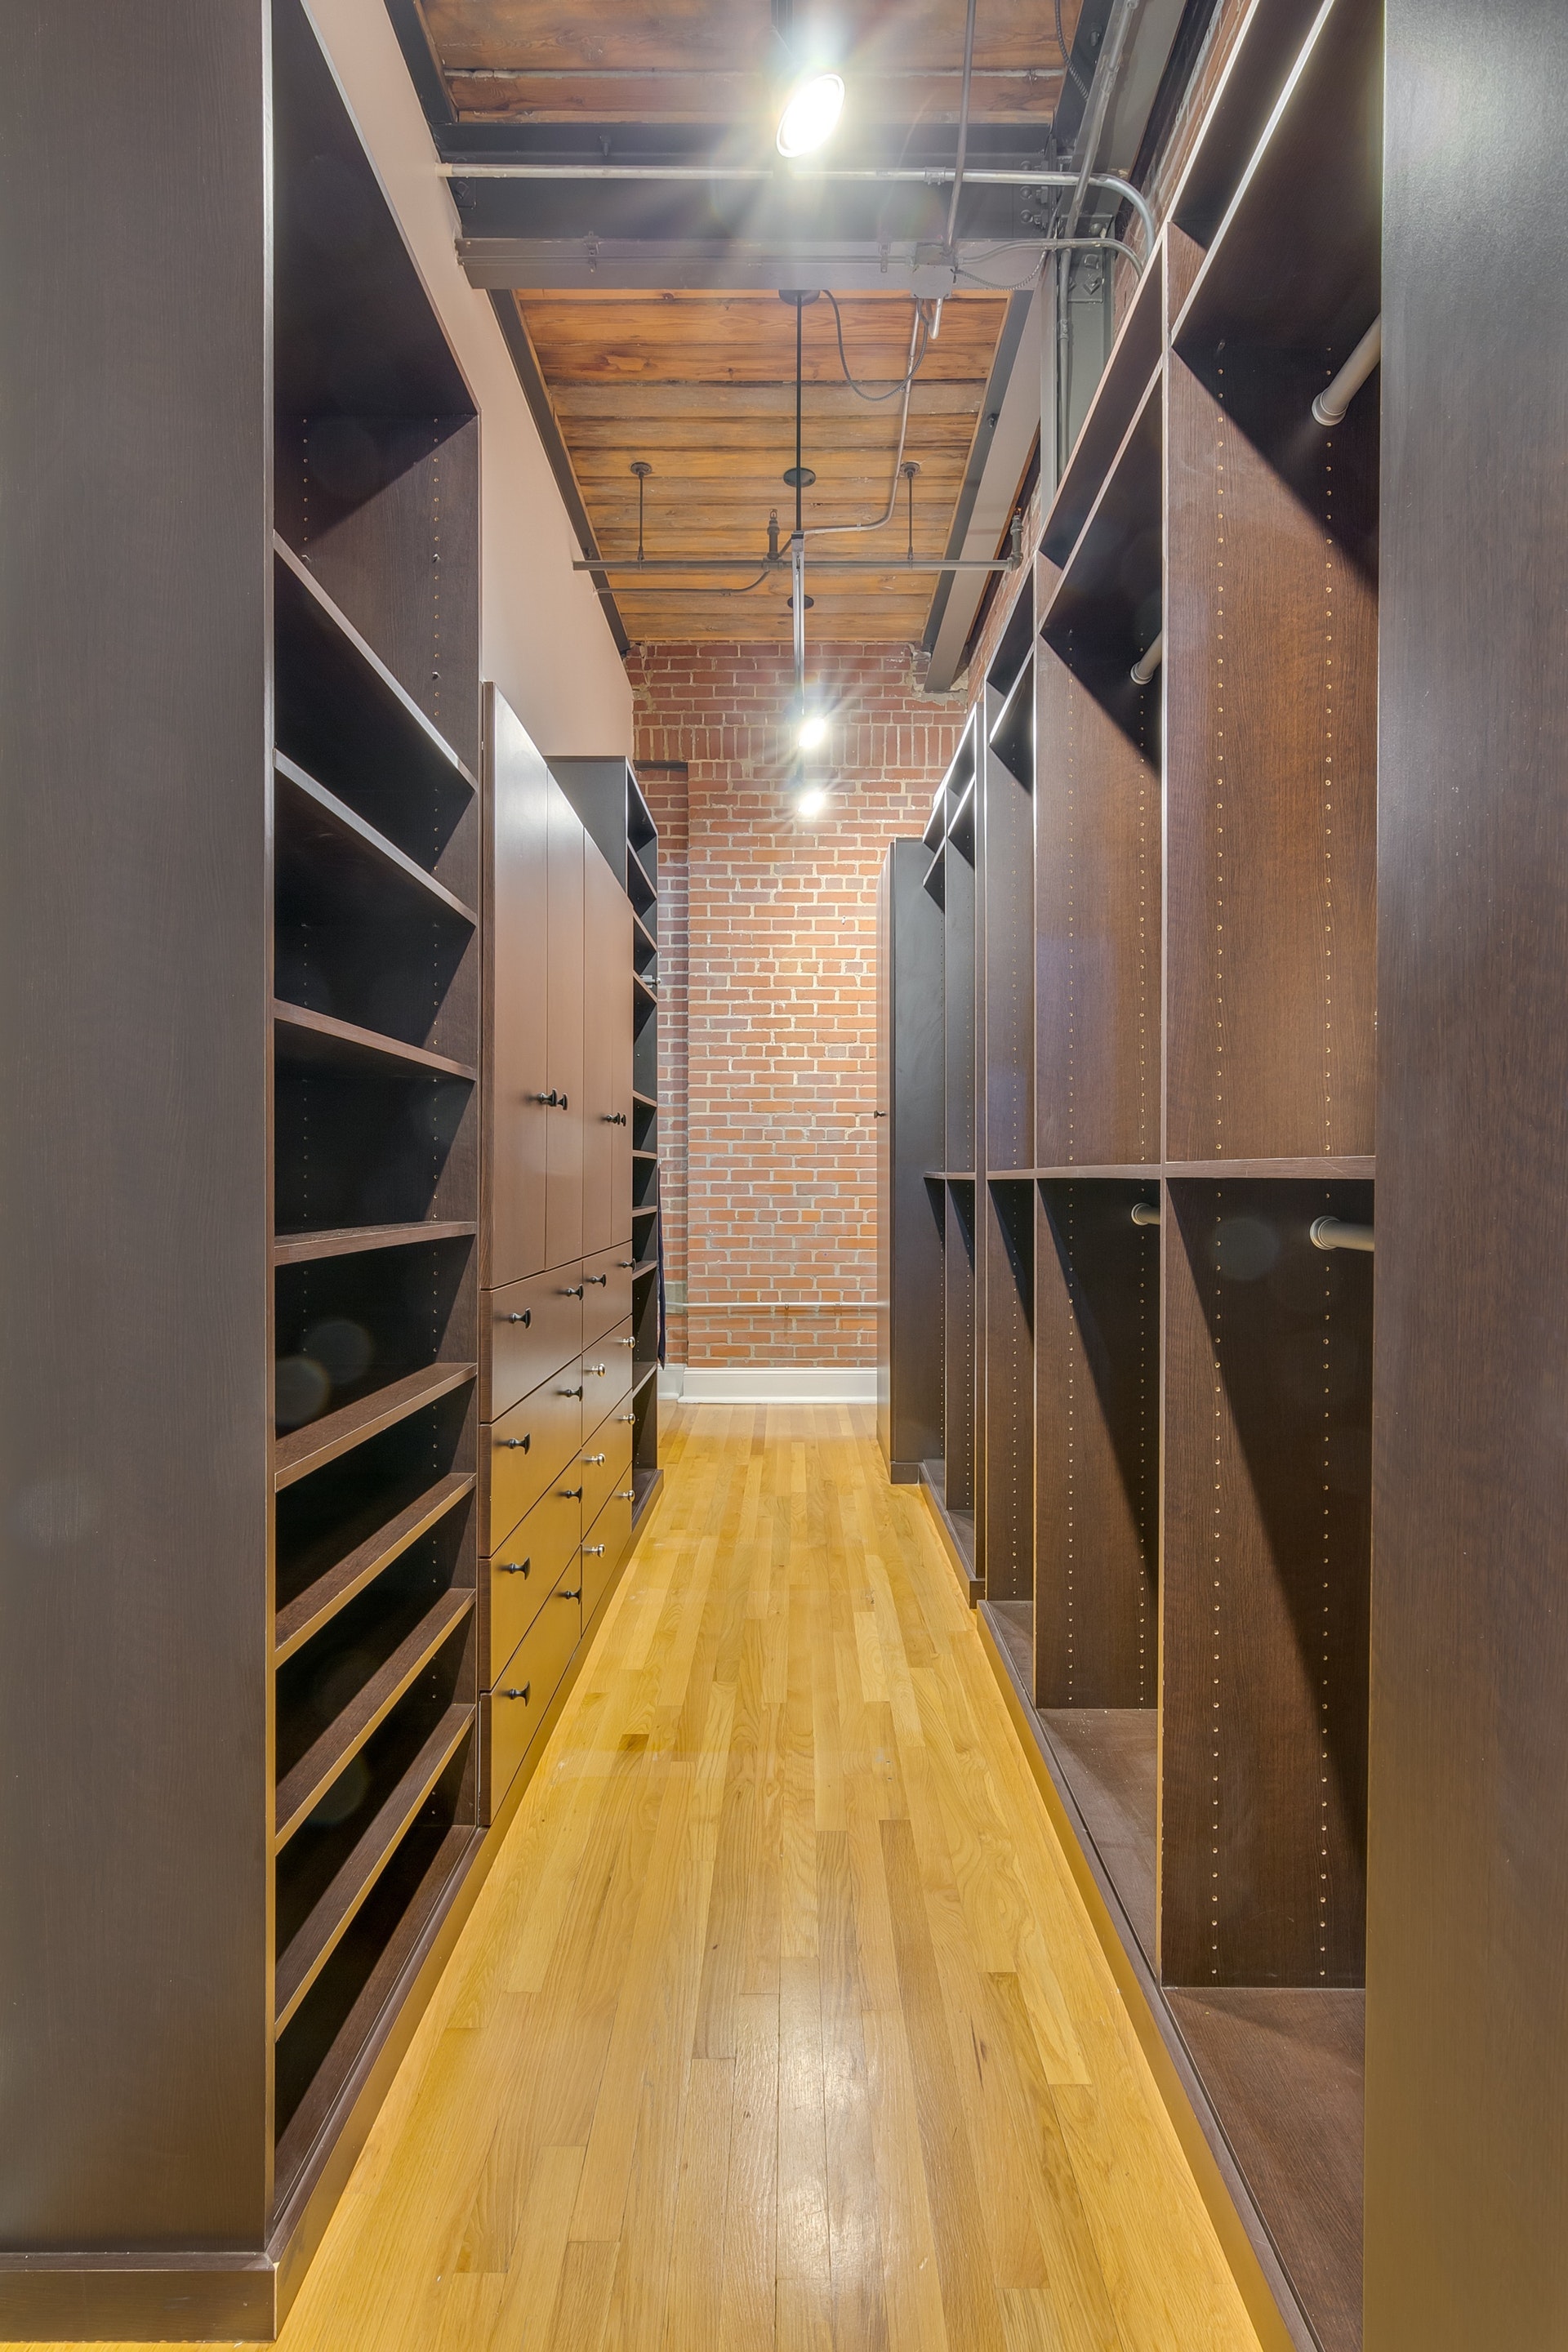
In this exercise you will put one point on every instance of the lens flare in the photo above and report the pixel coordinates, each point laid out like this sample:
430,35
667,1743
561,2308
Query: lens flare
811,115
813,733
811,803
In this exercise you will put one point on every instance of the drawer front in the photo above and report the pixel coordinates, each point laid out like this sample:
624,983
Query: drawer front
606,1291
607,1374
513,1711
524,1572
530,1445
604,1466
535,1327
604,1549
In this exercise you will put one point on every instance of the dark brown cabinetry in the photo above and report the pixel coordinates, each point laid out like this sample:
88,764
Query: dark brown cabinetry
1158,900
608,799
245,938
557,1334
909,1147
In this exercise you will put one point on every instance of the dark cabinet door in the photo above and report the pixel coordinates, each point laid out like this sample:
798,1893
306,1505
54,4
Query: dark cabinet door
607,1011
621,1014
517,787
563,1038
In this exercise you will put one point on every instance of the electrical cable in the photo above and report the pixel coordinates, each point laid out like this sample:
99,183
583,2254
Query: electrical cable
1066,54
893,389
1048,244
835,529
697,565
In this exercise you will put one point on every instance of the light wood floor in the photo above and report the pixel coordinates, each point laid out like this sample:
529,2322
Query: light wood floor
780,2021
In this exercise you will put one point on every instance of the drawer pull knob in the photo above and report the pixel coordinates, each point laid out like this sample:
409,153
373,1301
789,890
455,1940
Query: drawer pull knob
516,1444
598,1370
516,1567
626,1265
593,1460
600,1278
525,1318
626,1343
522,1694
564,1103
592,1551
625,1494
571,1596
626,1416
569,1392
551,1099
574,1291
570,1494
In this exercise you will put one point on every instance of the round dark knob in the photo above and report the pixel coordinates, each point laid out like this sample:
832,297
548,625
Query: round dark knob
517,1694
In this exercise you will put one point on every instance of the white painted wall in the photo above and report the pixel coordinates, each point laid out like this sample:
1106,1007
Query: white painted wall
546,643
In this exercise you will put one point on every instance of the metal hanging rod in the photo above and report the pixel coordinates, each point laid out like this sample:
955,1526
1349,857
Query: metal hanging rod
1148,661
941,177
1145,1212
1336,396
877,563
1334,1233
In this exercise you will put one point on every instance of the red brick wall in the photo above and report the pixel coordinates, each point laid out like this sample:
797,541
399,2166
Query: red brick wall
767,1003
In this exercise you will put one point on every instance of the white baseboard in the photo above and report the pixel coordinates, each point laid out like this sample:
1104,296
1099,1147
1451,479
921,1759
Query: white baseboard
770,1383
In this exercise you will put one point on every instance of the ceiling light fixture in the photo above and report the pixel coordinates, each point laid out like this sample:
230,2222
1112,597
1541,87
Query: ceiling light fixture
813,732
811,115
812,803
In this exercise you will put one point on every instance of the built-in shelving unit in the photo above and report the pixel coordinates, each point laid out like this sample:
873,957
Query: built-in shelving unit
1153,862
375,961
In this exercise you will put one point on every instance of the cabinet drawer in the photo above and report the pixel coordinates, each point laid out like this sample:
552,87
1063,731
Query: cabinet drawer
604,1549
604,1466
530,1447
606,1291
607,1374
513,1712
535,1327
535,1556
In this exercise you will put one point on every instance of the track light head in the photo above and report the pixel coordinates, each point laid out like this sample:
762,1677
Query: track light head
811,115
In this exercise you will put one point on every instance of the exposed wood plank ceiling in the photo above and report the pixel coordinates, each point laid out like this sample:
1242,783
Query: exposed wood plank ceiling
700,384
719,60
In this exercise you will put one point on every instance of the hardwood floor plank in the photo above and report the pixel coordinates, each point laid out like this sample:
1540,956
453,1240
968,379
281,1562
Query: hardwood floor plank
583,2304
523,2319
802,2239
695,2293
746,2316
970,2308
854,2231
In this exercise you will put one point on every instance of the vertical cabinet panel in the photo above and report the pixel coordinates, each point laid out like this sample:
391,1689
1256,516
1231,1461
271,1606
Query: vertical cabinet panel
909,1147
1098,1356
606,1056
1271,774
1097,937
564,1031
1267,1537
517,1119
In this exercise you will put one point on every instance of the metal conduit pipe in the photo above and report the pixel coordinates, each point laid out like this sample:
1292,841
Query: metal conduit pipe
973,177
1107,73
1148,662
1336,396
1334,1233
